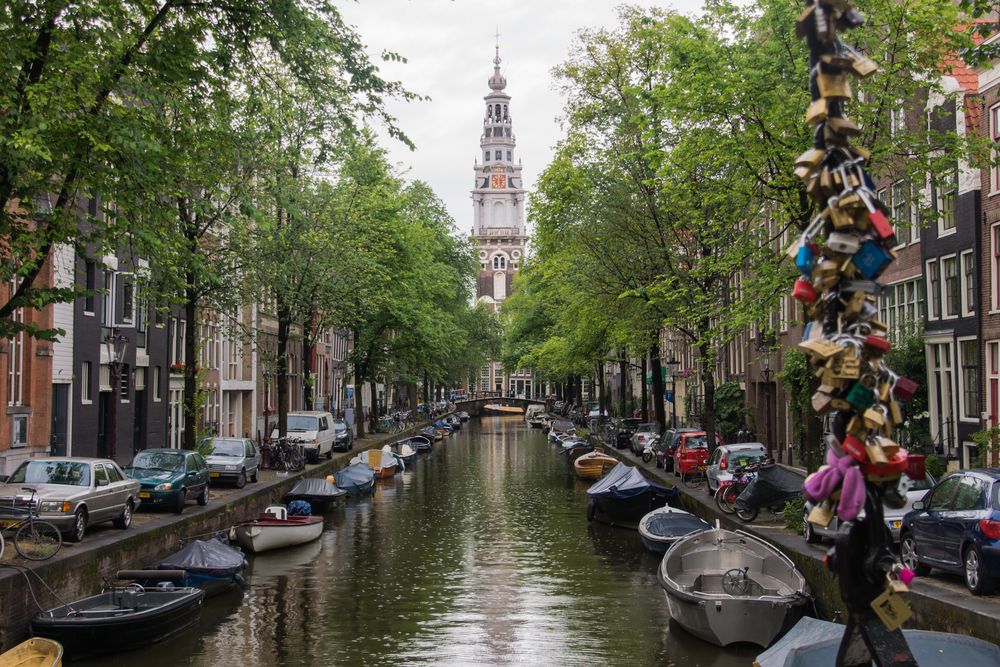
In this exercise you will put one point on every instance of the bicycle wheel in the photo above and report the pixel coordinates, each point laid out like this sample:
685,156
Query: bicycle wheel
693,480
725,498
1,545
37,540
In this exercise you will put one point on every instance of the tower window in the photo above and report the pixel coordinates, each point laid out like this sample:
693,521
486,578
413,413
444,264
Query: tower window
498,154
505,112
489,132
496,113
499,262
486,155
507,131
509,157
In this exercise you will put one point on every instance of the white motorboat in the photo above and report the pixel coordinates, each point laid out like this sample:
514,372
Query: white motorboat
665,525
274,529
728,587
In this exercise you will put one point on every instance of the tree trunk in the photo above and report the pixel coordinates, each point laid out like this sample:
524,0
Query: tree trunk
359,402
578,389
376,406
622,371
708,382
427,390
644,410
659,410
281,368
307,372
600,389
190,360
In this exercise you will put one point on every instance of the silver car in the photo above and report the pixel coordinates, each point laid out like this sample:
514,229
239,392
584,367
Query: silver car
914,490
726,458
233,460
73,493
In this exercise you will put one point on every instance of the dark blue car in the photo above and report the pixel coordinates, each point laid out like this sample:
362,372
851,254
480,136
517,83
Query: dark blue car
956,528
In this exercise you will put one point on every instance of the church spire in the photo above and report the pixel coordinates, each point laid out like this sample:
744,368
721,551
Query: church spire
497,82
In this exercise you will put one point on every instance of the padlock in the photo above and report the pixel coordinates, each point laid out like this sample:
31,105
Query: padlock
847,368
841,127
811,158
821,514
826,274
833,86
816,112
852,307
904,388
804,21
877,218
821,401
805,260
854,447
860,152
875,454
839,404
877,344
889,447
871,259
873,418
841,218
804,291
856,427
844,243
861,395
895,412
891,609
883,391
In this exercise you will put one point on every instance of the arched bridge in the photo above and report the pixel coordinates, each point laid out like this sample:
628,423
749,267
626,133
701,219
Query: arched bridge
474,405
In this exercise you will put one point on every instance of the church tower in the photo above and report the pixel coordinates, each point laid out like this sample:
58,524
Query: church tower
498,227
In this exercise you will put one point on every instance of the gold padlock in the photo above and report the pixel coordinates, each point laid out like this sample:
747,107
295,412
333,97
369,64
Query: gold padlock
891,609
811,158
821,515
862,66
845,127
833,86
821,401
856,427
889,447
875,454
873,417
816,112
895,412
839,404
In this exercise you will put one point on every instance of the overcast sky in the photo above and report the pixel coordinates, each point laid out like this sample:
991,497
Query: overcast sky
449,48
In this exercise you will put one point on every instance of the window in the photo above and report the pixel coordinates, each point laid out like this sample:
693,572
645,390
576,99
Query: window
968,283
486,156
128,299
901,212
104,378
139,379
86,389
940,393
15,361
497,154
499,262
19,431
114,474
90,281
995,135
943,494
897,119
952,288
509,156
123,381
970,495
934,290
945,194
108,311
969,359
100,475
156,384
901,304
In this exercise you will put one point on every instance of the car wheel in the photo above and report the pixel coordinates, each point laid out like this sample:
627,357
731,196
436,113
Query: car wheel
203,496
976,580
241,479
125,520
807,530
181,501
329,453
908,555
79,526
253,476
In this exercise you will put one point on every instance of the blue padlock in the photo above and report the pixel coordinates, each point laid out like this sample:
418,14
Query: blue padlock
871,259
805,260
807,331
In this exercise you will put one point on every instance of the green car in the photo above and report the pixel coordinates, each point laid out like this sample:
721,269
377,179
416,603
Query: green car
170,477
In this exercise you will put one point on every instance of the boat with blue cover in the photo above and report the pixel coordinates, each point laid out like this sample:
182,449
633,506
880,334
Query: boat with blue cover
623,496
320,493
357,479
211,565
662,527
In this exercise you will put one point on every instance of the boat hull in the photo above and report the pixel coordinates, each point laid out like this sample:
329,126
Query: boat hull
86,636
593,467
624,511
35,652
733,621
259,536
495,409
386,472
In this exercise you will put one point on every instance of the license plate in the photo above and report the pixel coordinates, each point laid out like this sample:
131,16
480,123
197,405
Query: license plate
7,523
214,474
896,524
143,494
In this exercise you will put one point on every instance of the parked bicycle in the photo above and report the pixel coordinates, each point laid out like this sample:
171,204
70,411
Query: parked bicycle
725,497
284,454
696,478
34,539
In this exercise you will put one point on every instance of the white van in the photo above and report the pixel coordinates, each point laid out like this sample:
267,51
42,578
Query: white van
314,430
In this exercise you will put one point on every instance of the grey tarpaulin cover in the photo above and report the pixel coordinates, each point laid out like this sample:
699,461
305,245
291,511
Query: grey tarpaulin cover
772,483
813,643
673,524
624,481
210,557
562,426
316,488
355,477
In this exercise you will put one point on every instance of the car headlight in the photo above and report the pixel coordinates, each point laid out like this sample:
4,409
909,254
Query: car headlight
162,487
63,506
230,468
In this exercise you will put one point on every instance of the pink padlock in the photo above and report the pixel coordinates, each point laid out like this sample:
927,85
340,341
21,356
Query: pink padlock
906,575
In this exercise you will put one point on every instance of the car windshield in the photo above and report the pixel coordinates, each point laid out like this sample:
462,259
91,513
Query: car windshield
742,458
918,484
696,442
301,423
339,426
70,473
225,447
648,427
166,461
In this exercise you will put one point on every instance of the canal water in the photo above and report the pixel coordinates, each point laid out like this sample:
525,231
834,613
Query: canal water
479,554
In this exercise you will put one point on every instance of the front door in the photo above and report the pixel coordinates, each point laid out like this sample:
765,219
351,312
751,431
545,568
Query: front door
139,422
102,424
60,421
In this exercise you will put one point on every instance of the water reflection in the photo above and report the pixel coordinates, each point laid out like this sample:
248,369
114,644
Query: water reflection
477,554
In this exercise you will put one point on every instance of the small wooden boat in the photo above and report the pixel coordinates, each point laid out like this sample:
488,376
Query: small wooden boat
35,652
274,529
728,587
321,494
420,443
560,430
405,453
662,527
593,465
210,565
120,619
573,448
623,496
498,409
357,479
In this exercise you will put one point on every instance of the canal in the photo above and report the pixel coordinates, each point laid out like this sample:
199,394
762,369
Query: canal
481,553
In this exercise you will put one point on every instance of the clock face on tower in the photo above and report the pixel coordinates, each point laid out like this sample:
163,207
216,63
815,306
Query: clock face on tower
498,182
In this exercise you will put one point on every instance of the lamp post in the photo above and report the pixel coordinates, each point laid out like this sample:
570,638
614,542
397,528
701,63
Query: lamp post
115,344
765,347
672,365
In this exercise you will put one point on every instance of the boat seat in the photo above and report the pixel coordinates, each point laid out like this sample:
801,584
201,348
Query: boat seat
686,580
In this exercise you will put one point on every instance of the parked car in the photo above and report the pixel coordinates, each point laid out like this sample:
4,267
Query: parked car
666,447
727,458
624,430
642,433
691,452
170,477
343,438
73,493
956,528
313,430
233,460
914,490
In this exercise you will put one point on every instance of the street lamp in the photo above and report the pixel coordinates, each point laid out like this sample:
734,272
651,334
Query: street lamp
116,344
672,365
765,347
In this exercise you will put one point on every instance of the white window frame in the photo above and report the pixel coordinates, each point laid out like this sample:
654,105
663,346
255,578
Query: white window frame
995,135
944,287
953,180
15,363
934,373
157,392
931,267
966,259
108,303
16,442
961,380
897,118
902,221
86,384
991,366
995,268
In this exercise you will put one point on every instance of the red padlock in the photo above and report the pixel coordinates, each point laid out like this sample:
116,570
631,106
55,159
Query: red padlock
904,389
880,344
855,448
804,291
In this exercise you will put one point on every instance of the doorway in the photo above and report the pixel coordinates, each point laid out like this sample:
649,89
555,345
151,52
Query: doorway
60,419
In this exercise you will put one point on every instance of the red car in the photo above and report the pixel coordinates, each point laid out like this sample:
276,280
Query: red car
691,452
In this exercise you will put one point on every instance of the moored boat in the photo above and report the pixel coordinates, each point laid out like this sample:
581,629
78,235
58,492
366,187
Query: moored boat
34,652
120,619
561,429
320,493
209,564
623,496
500,409
463,415
593,465
420,443
405,453
357,479
275,529
729,587
574,447
662,527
